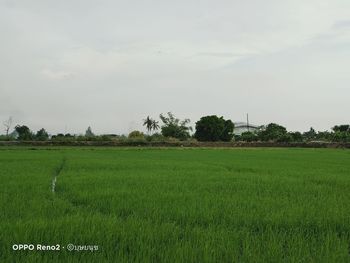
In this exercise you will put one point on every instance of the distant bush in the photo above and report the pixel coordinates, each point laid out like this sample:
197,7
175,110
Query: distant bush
296,136
5,138
192,140
61,137
136,135
157,137
287,137
173,140
105,138
247,137
122,138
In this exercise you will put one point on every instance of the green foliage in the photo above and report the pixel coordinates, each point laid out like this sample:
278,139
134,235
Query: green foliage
213,128
341,133
62,137
24,133
296,136
80,138
272,132
324,136
208,128
155,125
247,137
341,128
156,137
4,138
286,137
148,122
42,135
136,134
227,133
89,133
174,127
310,135
341,136
105,138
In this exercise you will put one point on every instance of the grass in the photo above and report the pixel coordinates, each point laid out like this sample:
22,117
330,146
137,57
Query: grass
176,205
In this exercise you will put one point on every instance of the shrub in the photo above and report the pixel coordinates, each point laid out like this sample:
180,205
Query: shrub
248,137
157,137
135,135
287,137
5,138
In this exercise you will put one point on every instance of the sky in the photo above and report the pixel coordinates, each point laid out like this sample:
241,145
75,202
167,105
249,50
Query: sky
66,65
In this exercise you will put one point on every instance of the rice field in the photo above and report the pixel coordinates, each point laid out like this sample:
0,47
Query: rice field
174,205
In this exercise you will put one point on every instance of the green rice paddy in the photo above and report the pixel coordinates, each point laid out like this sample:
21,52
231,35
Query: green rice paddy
175,205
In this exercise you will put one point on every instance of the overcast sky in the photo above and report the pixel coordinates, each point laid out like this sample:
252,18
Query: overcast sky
66,65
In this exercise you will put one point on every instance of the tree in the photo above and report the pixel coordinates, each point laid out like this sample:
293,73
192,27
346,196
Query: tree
272,132
341,133
155,125
24,133
213,128
287,137
296,136
227,132
42,135
341,136
173,127
89,133
310,135
8,124
341,128
148,122
324,136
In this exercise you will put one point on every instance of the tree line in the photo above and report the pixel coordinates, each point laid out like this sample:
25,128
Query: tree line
207,128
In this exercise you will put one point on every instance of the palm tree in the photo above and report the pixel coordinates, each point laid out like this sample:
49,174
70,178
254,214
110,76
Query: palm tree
148,122
155,125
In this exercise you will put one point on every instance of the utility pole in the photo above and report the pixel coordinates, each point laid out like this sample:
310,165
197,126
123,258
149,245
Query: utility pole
248,122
